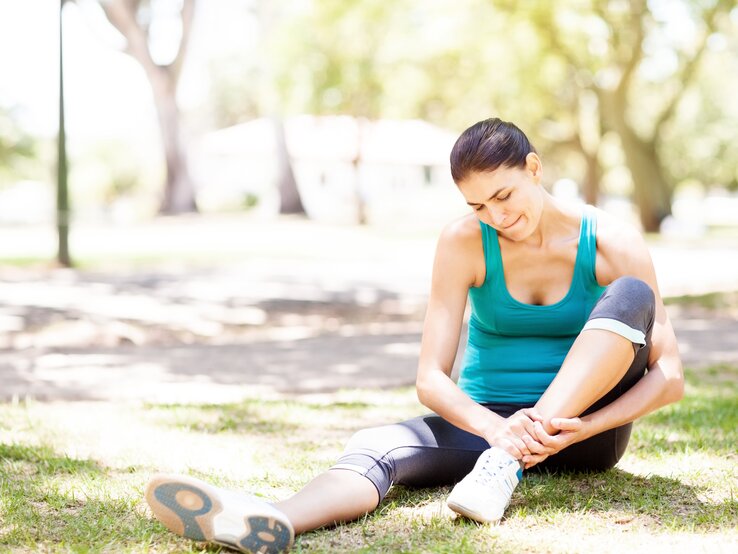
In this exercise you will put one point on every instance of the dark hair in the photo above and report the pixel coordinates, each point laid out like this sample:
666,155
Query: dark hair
487,145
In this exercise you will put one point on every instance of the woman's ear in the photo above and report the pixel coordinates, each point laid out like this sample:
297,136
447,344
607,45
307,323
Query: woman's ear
534,165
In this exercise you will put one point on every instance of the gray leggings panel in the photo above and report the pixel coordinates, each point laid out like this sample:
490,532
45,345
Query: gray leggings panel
429,451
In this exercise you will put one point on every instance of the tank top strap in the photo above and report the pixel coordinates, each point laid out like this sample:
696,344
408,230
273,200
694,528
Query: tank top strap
585,264
492,254
588,247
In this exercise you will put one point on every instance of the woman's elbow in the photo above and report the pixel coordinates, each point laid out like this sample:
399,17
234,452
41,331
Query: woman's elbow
422,390
425,388
675,389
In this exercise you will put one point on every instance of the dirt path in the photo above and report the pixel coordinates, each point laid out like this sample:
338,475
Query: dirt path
215,336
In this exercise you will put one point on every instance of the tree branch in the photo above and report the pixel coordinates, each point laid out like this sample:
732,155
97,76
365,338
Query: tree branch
636,55
188,13
543,23
122,15
689,70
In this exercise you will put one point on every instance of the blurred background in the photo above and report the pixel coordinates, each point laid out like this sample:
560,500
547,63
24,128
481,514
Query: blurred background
231,178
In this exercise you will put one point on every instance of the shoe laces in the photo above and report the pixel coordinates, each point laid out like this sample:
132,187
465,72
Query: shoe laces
492,471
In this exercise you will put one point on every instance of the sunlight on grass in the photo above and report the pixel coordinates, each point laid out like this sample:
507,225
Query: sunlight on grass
73,483
705,421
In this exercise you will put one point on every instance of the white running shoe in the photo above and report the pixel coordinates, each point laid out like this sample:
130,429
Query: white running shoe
484,494
201,512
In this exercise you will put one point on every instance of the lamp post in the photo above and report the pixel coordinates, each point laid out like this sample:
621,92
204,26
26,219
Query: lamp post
62,196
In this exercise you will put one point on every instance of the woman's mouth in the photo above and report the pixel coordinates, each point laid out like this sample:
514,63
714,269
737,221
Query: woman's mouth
513,223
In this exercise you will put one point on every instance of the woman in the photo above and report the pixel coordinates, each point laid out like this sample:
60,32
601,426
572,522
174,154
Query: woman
568,344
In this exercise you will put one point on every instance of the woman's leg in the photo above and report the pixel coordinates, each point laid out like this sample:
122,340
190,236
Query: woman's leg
333,496
603,450
606,359
424,451
608,356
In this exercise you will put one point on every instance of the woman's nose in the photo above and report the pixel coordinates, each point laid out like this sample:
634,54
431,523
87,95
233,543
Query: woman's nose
497,216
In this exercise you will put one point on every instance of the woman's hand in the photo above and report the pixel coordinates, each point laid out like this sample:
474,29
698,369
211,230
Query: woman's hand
516,435
570,430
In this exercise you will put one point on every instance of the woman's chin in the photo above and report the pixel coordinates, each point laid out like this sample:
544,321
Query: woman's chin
515,230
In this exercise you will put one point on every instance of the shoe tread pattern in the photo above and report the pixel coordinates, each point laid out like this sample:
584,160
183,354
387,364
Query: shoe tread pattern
196,524
266,536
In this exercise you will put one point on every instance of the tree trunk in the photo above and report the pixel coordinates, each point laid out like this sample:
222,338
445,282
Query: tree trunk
592,176
356,164
650,187
179,190
651,190
289,195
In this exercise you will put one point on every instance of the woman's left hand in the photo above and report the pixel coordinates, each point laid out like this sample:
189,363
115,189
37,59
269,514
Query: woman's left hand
571,430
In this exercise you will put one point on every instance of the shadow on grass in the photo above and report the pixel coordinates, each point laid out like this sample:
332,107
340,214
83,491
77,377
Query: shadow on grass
416,520
258,417
42,461
54,501
664,501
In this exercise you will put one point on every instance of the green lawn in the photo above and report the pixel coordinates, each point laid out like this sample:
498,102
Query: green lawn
72,476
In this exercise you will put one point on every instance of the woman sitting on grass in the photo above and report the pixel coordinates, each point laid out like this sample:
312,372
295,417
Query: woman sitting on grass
569,343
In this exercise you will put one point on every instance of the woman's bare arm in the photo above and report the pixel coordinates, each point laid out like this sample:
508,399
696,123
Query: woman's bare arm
454,272
623,251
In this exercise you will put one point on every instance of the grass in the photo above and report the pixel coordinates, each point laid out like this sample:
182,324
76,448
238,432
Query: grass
26,261
709,301
72,476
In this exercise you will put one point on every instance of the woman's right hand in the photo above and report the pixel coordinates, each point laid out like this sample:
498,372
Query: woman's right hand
516,434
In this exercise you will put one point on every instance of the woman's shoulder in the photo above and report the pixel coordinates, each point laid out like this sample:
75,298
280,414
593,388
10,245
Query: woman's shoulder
613,232
461,250
620,245
464,232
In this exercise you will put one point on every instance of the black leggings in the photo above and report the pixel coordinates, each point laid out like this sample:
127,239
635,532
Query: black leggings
429,451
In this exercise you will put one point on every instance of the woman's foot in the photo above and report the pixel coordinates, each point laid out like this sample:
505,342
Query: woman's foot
484,494
201,512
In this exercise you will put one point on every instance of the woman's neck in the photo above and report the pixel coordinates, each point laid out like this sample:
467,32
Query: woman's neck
558,220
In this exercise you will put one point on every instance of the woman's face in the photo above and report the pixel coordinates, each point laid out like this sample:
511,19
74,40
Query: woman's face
508,199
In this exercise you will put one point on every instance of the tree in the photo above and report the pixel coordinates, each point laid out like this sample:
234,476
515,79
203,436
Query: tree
290,201
15,144
701,143
584,77
602,45
327,62
243,88
133,19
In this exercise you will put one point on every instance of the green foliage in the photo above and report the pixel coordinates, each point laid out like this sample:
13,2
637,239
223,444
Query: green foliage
235,89
112,169
701,144
16,146
250,200
549,66
330,59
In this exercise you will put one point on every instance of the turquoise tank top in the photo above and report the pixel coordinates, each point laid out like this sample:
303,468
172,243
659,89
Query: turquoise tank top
515,349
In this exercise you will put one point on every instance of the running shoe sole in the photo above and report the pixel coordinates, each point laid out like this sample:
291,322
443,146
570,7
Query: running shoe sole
188,507
470,514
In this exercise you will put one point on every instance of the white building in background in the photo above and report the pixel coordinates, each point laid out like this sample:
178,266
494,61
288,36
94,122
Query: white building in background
27,202
400,167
